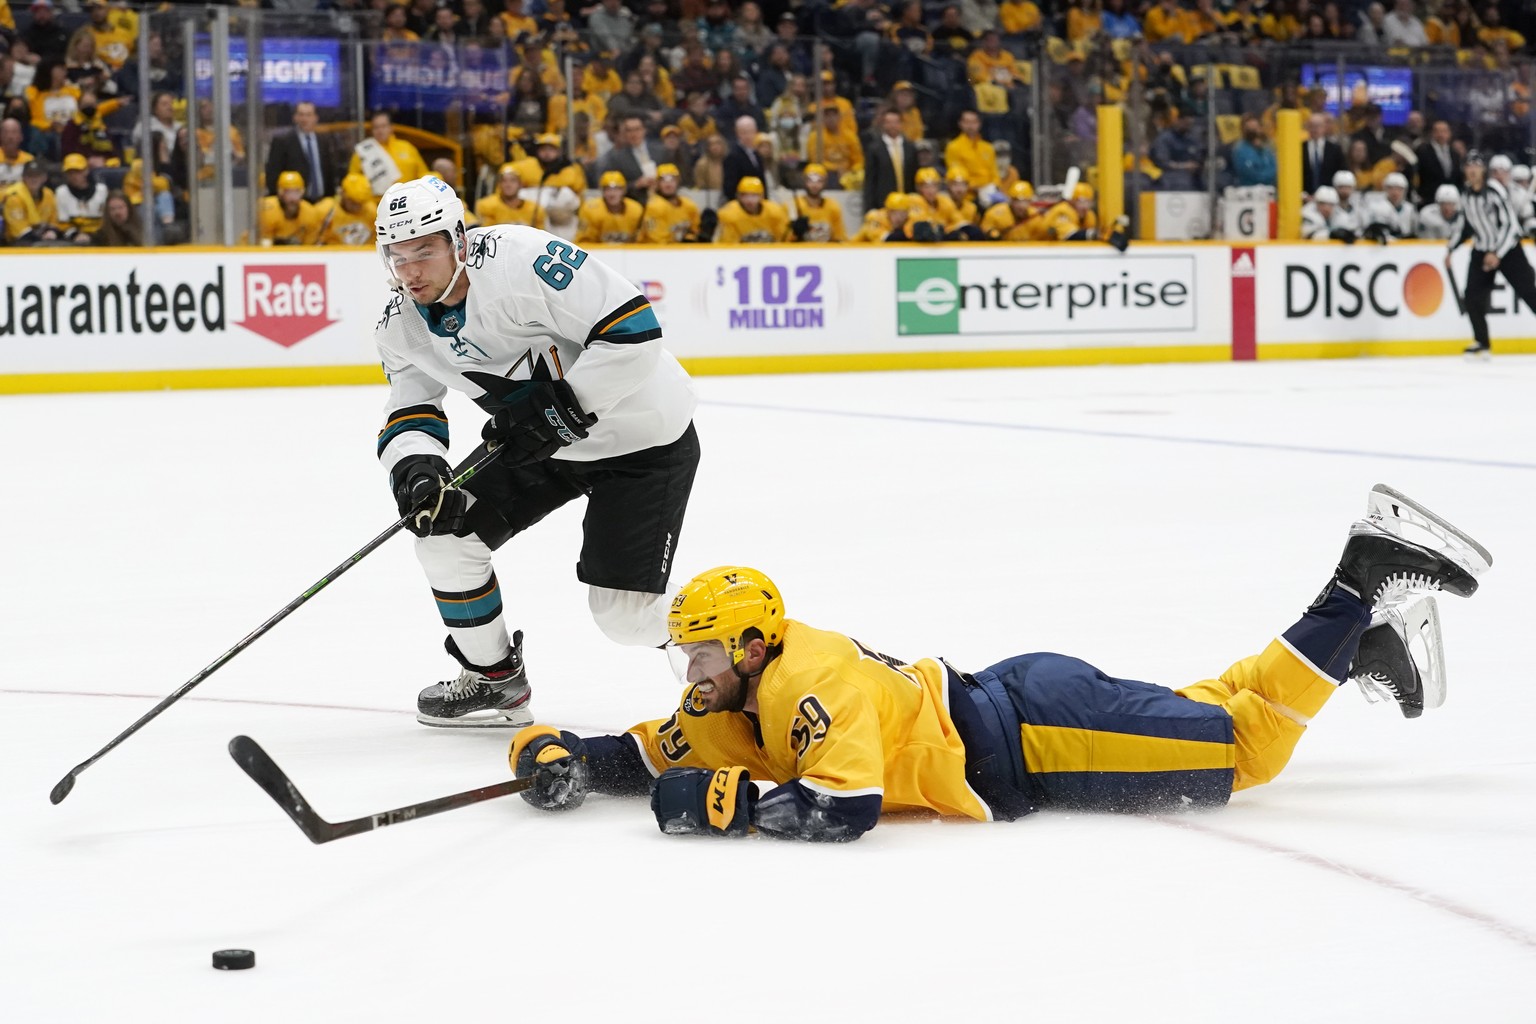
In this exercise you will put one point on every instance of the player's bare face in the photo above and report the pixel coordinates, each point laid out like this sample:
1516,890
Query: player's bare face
423,265
715,684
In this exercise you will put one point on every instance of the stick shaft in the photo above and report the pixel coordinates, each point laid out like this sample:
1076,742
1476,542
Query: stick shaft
258,764
65,784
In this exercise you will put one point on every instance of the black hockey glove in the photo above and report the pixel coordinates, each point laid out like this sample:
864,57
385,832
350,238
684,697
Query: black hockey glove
1344,235
421,483
557,763
709,220
544,418
697,801
801,226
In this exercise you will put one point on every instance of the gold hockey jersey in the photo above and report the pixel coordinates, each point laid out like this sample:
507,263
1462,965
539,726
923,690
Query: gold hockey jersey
769,224
668,221
826,220
600,224
840,720
278,229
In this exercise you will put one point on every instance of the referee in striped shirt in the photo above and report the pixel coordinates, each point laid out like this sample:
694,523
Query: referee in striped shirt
1488,218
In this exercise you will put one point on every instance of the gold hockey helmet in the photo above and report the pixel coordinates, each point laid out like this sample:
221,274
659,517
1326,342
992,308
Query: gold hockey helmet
722,604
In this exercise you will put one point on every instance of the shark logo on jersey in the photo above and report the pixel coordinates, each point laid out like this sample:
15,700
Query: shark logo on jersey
460,347
481,248
391,310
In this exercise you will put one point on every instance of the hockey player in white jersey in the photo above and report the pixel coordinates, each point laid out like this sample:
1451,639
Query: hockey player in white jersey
565,355
1522,198
1436,218
1388,213
1317,216
1347,215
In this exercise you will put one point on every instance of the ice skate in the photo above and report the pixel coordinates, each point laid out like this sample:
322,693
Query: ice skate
480,698
1401,658
1476,353
1402,548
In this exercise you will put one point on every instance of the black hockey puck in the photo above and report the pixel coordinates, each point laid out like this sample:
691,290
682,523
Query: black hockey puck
234,959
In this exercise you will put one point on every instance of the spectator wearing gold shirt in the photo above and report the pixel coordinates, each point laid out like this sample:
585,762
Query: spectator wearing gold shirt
407,158
507,205
1018,16
835,145
348,219
817,217
29,208
115,35
904,102
1016,220
288,218
752,218
975,156
670,218
613,218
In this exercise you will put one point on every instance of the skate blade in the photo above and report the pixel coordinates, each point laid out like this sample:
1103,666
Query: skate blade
1420,623
1388,503
498,721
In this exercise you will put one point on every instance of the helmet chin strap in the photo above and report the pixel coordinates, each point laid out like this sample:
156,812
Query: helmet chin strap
458,269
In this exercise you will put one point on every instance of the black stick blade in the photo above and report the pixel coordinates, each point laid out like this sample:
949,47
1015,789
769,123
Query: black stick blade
62,789
258,764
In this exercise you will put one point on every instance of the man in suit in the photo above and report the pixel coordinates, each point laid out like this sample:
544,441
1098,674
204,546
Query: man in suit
635,157
1439,163
303,151
1321,158
890,162
742,161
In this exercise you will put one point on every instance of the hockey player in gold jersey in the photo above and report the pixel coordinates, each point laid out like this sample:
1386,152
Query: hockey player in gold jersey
669,217
818,218
288,218
930,203
752,218
1073,219
613,218
890,223
348,219
844,732
967,218
507,205
1015,220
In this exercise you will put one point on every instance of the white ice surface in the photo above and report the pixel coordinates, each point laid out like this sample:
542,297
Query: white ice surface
1160,522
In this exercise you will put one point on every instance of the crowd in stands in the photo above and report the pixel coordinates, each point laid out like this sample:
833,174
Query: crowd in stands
760,120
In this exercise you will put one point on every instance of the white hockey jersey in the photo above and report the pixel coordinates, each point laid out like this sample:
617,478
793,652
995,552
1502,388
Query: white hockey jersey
1401,221
1432,224
1317,228
1521,200
538,308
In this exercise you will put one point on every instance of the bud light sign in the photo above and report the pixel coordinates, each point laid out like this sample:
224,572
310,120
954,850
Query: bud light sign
291,70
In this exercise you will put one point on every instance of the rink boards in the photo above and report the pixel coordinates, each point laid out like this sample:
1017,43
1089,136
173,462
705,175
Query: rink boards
116,320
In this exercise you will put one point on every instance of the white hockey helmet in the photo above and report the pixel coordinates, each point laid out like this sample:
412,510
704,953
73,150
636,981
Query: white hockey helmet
1344,179
1448,193
1521,173
1326,194
1394,180
417,209
1500,162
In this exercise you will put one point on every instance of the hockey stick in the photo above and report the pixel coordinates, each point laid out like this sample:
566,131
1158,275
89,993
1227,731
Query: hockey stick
258,764
67,783
1450,275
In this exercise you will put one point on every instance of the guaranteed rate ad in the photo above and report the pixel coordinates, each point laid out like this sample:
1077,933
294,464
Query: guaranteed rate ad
1065,296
